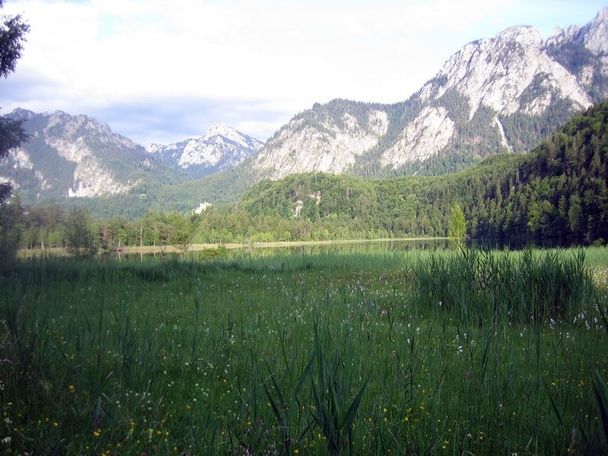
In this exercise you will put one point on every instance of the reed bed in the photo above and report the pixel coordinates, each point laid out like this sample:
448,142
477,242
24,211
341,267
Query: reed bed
377,353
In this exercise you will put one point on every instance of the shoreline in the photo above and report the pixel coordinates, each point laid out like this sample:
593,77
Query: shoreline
149,249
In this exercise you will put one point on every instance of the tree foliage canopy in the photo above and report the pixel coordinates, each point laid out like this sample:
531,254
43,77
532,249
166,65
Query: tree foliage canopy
12,37
458,225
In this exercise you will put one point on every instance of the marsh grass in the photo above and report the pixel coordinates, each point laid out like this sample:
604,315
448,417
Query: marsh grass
401,352
486,287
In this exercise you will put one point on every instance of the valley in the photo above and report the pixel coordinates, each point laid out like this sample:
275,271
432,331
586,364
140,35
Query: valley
420,276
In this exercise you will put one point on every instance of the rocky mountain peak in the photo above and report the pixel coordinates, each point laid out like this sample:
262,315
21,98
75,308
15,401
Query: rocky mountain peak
326,138
62,126
601,18
522,34
221,129
219,148
73,156
593,36
496,72
496,94
596,36
21,114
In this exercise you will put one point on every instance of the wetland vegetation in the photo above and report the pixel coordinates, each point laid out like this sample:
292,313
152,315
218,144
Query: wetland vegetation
424,352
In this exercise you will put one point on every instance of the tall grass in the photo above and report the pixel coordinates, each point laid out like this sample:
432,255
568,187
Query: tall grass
488,287
401,352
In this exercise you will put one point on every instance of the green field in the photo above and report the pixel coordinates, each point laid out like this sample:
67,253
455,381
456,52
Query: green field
320,353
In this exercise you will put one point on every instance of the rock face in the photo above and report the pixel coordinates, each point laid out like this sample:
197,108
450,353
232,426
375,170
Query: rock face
222,147
73,156
500,94
497,72
422,138
69,156
328,138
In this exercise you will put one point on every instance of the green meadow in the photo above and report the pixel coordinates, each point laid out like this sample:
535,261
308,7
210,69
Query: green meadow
417,352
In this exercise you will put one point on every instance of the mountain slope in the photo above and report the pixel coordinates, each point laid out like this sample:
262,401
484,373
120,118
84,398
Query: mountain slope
327,138
556,194
76,156
501,94
220,148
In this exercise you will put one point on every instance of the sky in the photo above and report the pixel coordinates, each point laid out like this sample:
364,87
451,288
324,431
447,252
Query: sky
159,71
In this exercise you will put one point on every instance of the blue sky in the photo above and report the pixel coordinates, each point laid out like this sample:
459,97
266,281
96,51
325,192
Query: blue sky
163,70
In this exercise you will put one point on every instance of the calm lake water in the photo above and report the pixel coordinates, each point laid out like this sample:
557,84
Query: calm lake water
355,247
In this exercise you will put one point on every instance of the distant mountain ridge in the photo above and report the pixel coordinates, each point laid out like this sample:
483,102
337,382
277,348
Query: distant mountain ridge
495,95
220,148
69,156
76,156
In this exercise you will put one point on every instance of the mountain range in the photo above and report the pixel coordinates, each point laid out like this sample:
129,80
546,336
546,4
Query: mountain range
76,156
79,157
496,95
222,147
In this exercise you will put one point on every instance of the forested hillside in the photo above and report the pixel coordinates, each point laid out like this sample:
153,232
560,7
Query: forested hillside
556,194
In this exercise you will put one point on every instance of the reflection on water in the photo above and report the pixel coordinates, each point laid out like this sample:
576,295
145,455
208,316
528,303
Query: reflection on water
360,247
311,249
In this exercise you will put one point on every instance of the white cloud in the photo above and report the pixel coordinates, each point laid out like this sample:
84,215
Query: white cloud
98,53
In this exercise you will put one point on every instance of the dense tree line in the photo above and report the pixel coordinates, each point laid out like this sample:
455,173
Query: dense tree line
75,228
559,194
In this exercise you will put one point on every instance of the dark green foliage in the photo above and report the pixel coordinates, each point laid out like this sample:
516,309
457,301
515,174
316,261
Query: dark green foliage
12,36
601,393
523,131
11,229
559,194
483,286
80,237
